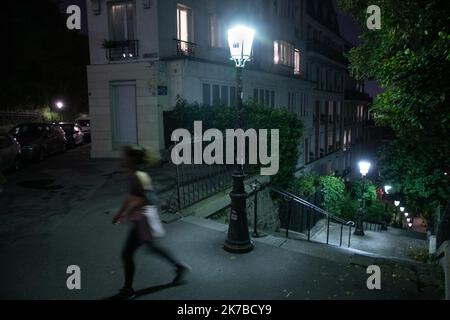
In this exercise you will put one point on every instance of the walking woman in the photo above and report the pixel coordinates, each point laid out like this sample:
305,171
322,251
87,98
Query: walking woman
139,206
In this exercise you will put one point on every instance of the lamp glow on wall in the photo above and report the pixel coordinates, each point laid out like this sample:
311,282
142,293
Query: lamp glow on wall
240,41
364,167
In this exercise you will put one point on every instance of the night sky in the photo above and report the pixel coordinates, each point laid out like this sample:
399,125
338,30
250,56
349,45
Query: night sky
348,28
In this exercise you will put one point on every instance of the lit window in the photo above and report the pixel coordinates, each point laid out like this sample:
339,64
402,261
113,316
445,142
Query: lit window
215,31
184,26
297,61
283,53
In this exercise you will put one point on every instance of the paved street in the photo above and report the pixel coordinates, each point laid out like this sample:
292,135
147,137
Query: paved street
69,222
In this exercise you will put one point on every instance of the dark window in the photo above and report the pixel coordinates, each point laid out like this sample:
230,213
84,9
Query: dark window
272,98
215,94
224,95
266,100
255,95
232,96
206,94
261,96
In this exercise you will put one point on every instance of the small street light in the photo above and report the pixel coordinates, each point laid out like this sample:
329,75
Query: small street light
59,105
240,41
364,167
402,209
396,203
387,188
406,214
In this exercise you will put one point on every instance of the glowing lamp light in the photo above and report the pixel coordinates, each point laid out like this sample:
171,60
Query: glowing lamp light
408,219
240,41
402,209
396,203
387,188
406,214
410,224
59,105
364,167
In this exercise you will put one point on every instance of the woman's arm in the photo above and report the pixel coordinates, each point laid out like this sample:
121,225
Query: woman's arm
129,204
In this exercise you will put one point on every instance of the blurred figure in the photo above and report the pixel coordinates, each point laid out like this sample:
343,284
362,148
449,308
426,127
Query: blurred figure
140,207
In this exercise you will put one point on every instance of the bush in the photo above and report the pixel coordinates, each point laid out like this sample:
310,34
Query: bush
370,191
253,116
376,211
348,207
333,190
305,185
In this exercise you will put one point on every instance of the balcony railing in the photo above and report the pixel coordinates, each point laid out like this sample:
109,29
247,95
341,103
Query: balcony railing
185,48
324,50
121,50
356,95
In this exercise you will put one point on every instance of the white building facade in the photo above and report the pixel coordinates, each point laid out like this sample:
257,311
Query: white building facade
147,53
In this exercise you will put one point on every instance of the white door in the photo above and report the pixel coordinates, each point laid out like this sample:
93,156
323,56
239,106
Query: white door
124,113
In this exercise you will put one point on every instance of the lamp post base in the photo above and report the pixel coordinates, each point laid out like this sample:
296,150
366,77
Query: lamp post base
238,238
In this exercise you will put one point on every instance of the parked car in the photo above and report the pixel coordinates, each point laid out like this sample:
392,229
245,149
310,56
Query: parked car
38,140
74,133
10,153
85,124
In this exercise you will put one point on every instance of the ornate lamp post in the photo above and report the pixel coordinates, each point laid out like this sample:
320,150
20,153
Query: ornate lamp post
60,105
240,41
364,167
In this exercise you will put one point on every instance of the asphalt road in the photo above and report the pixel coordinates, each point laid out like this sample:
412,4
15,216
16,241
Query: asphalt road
37,197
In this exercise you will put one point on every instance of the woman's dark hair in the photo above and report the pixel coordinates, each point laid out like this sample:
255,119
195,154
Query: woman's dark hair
137,155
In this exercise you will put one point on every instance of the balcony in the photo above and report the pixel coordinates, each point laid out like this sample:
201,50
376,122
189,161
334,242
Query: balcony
326,51
121,50
356,95
185,48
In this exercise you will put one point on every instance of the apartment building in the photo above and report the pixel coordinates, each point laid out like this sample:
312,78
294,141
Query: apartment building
147,53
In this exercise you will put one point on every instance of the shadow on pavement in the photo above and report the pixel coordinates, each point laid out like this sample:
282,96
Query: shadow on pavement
149,290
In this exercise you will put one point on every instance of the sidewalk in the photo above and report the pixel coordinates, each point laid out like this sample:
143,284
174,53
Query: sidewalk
35,268
34,264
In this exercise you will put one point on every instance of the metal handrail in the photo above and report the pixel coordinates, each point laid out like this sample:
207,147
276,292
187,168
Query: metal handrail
312,206
315,209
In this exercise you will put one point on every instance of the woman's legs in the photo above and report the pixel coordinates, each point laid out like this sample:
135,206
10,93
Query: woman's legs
127,256
163,253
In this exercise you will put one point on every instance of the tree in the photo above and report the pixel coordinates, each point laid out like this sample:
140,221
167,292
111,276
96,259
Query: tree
410,58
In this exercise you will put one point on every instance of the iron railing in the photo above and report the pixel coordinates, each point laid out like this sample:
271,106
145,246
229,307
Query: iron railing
185,48
312,216
122,50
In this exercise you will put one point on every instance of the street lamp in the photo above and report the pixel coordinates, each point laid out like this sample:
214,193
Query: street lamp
364,167
402,209
60,105
387,188
240,41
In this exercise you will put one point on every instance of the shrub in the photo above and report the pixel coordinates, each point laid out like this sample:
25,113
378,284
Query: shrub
305,185
333,190
253,116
